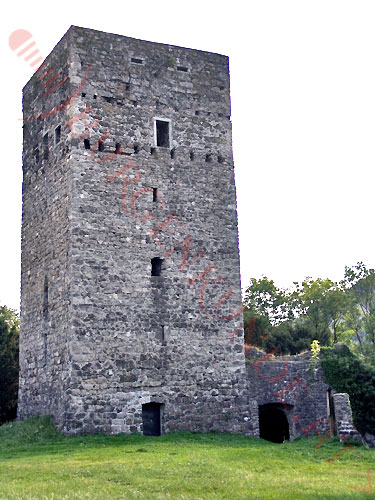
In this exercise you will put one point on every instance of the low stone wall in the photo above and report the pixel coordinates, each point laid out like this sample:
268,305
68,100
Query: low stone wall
297,385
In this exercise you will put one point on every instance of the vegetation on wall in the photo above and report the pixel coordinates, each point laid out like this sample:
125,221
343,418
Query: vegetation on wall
344,371
9,331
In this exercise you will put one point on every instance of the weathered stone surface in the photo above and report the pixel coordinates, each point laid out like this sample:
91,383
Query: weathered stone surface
100,336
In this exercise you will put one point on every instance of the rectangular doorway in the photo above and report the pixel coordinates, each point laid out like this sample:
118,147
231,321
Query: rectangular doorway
151,418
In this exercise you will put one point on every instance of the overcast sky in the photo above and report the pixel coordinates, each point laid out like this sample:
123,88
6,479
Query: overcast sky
303,114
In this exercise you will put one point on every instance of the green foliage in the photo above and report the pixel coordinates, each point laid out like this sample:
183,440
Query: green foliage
32,430
287,321
9,333
174,466
263,298
344,371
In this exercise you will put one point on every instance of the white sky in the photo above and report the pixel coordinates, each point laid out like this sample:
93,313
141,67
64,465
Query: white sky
303,113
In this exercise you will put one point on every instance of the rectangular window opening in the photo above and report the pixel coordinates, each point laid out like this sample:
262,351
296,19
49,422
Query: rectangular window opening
162,134
154,195
136,60
156,264
182,68
57,134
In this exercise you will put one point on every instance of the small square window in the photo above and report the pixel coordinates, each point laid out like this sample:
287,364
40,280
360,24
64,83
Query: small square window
57,134
162,133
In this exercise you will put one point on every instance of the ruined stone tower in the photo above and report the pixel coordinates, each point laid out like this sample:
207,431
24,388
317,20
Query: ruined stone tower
131,305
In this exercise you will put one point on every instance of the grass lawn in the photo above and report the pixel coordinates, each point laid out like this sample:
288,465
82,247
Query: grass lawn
38,463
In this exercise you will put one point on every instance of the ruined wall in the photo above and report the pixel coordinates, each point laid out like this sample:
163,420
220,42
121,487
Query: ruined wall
128,337
294,383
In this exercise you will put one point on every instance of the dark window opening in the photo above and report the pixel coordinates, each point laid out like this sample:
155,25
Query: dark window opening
136,149
273,422
45,147
118,148
57,134
151,419
45,299
191,155
182,68
36,156
95,96
152,151
208,158
127,86
156,264
197,113
136,60
83,94
108,99
220,159
162,134
162,332
101,146
86,142
154,195
173,153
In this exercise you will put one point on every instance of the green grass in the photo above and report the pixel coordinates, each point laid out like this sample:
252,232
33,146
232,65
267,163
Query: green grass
38,463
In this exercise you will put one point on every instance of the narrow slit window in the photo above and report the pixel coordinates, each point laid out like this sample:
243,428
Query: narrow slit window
101,146
87,143
156,264
154,195
208,158
173,153
118,148
127,86
220,159
191,155
45,299
182,68
36,156
162,332
162,134
136,60
136,149
45,147
57,134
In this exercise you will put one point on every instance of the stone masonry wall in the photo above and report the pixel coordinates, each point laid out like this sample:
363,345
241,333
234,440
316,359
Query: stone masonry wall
116,336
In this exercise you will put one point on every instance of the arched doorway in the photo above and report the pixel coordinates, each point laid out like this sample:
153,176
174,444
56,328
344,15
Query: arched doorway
273,422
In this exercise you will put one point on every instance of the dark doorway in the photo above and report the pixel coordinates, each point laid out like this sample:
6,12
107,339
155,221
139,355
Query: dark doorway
273,422
151,418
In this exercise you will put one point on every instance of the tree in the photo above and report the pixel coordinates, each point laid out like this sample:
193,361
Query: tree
263,298
9,334
360,285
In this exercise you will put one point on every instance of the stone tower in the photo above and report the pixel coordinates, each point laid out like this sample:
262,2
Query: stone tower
131,305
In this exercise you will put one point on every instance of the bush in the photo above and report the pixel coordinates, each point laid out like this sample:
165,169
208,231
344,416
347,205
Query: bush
347,373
